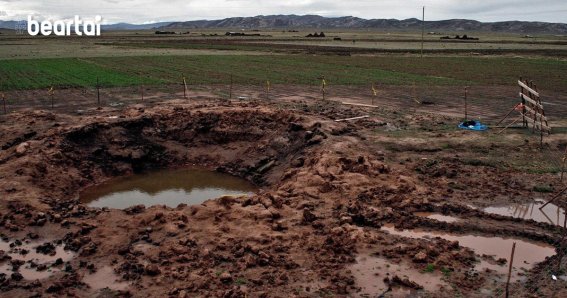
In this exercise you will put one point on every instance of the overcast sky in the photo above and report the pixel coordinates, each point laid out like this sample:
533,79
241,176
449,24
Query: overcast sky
145,11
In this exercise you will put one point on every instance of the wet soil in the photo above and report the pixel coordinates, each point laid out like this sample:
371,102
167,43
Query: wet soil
327,190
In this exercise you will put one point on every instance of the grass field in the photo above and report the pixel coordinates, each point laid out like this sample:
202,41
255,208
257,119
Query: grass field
279,69
141,57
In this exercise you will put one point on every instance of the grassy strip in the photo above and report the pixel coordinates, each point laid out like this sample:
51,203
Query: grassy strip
279,69
64,72
215,69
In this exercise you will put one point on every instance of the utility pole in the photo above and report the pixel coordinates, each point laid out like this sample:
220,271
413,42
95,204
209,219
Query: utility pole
422,30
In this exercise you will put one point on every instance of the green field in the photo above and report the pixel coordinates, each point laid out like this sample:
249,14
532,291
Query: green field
279,69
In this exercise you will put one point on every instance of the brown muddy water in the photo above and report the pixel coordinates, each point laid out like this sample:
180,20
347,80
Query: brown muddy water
551,214
437,216
105,278
369,273
165,187
527,253
36,265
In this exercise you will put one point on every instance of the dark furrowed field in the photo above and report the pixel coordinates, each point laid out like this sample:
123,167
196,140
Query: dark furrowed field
280,69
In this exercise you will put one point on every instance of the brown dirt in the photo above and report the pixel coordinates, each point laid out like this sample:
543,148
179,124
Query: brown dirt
330,188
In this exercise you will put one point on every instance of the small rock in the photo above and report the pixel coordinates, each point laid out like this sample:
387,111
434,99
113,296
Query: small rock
420,257
316,140
308,216
152,270
225,277
135,209
57,217
298,162
17,276
22,148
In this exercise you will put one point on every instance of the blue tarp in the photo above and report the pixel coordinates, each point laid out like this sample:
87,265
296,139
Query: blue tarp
473,125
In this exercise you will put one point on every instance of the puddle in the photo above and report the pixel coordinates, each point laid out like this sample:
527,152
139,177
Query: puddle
32,257
165,187
551,214
369,273
103,278
527,254
437,216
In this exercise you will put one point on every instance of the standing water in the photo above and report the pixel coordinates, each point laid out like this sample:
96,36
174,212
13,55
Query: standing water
165,187
527,253
551,213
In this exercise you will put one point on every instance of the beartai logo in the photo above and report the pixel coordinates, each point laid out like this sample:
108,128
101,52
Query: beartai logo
62,28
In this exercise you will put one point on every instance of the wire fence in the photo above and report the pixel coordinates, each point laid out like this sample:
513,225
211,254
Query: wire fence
488,104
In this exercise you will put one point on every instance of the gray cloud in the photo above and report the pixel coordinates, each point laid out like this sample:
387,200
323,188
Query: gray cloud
140,11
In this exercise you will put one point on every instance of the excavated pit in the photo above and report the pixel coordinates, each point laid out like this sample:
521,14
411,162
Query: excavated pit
324,196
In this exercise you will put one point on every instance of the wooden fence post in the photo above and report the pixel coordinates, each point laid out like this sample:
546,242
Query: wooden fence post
184,87
466,104
323,87
51,92
510,269
98,91
524,121
230,91
415,96
142,88
374,93
540,121
563,160
553,199
536,109
4,101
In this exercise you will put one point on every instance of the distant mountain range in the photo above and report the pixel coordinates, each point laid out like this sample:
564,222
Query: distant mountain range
319,22
127,26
